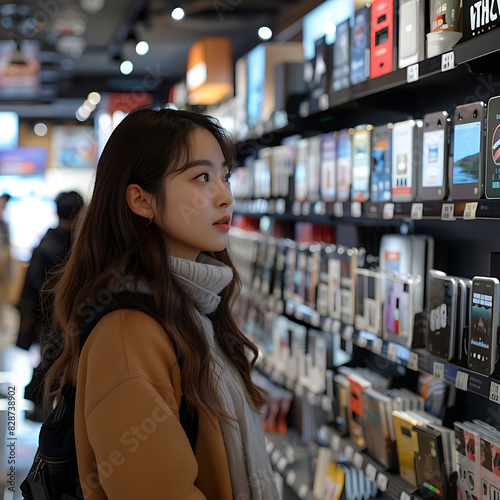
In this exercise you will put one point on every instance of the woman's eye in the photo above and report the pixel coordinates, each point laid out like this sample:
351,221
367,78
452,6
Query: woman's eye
228,177
203,177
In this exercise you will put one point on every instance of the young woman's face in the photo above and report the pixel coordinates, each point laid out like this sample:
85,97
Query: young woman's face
197,199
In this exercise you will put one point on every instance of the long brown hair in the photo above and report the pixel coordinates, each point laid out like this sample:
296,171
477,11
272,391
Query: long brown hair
113,242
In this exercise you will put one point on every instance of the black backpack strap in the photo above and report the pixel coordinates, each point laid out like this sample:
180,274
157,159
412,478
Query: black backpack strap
127,300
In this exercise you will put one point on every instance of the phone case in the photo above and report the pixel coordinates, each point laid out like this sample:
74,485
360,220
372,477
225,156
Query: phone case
463,318
301,179
434,175
360,46
381,163
355,414
368,304
383,32
467,173
328,167
361,159
313,168
492,176
411,32
344,164
467,445
342,56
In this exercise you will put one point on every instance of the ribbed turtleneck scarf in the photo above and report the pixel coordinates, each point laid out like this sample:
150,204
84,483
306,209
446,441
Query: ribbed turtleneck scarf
249,467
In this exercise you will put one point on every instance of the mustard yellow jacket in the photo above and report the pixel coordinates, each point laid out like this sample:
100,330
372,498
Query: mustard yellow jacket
129,441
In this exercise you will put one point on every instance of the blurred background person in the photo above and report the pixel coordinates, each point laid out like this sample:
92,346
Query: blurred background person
34,310
5,260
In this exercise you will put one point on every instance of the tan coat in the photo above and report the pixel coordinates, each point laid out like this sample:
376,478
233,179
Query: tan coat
127,419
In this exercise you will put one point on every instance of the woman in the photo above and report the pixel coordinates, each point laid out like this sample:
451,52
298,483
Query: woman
157,226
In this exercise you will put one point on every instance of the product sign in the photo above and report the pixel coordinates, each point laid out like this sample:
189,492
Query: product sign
480,17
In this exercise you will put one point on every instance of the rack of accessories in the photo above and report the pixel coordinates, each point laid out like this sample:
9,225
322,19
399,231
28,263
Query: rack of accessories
365,218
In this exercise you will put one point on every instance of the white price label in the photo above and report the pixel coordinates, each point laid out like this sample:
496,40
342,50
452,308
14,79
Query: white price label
348,452
448,61
320,208
438,370
362,341
462,380
326,403
470,210
280,206
412,73
323,102
382,482
282,463
448,211
303,491
371,472
275,456
315,319
392,352
404,496
377,345
306,208
304,109
336,324
356,209
388,211
338,209
417,211
494,392
347,333
290,478
296,208
357,460
335,442
413,362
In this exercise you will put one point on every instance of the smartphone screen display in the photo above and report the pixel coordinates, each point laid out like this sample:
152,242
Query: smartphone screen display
381,164
493,149
361,165
397,308
328,164
402,159
480,347
440,316
433,159
429,465
466,153
344,165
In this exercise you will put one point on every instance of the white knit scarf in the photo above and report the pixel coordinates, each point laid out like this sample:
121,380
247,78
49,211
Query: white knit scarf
249,466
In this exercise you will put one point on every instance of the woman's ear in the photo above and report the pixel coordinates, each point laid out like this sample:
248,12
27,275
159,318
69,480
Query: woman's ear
139,201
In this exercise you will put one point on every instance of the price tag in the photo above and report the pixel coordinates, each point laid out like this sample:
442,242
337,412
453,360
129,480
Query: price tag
338,209
371,472
495,392
326,403
347,333
315,319
382,482
275,456
348,452
470,210
462,381
357,460
290,478
303,491
296,208
336,324
298,390
362,341
306,208
280,206
335,442
392,352
377,345
356,209
327,325
412,73
320,208
417,210
448,211
413,362
438,370
388,211
304,109
404,496
448,61
282,463
323,102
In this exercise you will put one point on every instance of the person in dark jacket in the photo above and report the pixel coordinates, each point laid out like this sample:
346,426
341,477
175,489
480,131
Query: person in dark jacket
47,257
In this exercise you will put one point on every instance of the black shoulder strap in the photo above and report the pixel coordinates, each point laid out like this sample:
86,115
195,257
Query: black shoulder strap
127,300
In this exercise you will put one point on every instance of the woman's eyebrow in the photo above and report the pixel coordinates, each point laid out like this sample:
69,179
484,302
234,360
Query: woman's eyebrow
204,163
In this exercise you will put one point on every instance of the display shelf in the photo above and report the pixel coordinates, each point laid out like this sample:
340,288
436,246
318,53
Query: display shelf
478,48
355,212
290,459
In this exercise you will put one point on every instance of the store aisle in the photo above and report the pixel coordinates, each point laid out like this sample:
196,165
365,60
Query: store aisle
18,445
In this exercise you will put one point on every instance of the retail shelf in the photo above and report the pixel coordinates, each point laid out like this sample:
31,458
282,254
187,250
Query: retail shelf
321,211
478,48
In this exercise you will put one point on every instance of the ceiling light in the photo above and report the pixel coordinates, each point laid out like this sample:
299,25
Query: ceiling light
265,33
82,114
91,6
126,67
142,48
94,98
178,14
40,129
330,28
88,106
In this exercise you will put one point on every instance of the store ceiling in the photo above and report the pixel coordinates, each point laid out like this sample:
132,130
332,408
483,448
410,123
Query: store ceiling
109,33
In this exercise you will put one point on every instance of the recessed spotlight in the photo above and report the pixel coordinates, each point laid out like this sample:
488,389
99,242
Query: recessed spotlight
142,48
265,33
40,129
178,14
94,98
126,67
